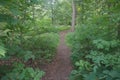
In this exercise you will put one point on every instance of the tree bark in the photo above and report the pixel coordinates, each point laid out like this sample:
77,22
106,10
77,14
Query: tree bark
73,15
52,12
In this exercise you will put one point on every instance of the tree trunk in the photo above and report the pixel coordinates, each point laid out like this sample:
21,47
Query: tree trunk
73,15
52,12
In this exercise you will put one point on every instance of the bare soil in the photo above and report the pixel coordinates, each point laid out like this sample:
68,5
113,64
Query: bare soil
60,67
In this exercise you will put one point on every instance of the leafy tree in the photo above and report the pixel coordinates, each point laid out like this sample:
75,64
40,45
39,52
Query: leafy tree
26,36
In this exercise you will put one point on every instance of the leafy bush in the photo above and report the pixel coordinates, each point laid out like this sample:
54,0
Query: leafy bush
19,72
45,26
94,54
102,62
43,46
48,43
27,41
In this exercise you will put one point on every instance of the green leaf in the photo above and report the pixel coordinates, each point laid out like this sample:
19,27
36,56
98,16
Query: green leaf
39,75
31,71
113,74
2,51
28,55
91,76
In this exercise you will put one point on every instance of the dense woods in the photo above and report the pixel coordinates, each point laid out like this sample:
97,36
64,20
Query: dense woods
29,36
95,43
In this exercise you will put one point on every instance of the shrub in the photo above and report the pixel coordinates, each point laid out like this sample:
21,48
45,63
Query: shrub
94,54
20,72
43,46
102,62
45,26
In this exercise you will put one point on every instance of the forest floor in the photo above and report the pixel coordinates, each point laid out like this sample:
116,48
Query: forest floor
60,67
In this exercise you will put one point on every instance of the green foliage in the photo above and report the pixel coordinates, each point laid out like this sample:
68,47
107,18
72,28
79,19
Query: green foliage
63,27
102,44
2,50
4,69
75,75
52,39
95,43
28,55
47,51
43,46
45,26
100,63
61,12
89,47
83,65
21,73
27,33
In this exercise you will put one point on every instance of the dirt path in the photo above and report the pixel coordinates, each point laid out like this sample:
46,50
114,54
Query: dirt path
61,66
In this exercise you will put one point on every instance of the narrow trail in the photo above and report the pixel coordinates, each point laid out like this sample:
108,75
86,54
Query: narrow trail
60,67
